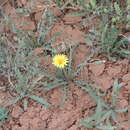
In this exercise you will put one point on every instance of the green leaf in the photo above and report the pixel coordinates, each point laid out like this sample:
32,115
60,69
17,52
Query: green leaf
87,125
53,85
88,88
76,14
98,111
115,91
89,118
104,116
51,76
3,115
93,3
40,100
85,86
106,127
15,100
115,86
103,36
122,110
117,8
114,116
125,51
25,104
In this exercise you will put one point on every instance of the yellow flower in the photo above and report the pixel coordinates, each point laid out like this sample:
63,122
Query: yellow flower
60,60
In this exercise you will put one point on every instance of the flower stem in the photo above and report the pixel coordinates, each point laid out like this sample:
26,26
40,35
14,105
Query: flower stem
65,74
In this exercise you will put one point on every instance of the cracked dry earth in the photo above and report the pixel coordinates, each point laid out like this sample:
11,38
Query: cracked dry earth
68,109
73,104
64,114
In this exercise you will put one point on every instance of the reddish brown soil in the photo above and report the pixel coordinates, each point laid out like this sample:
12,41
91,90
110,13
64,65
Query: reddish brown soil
63,115
65,112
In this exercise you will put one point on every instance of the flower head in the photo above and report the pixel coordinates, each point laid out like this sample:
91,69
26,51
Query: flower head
60,60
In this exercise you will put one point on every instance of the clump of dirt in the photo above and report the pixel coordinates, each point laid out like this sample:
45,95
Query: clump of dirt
97,69
68,35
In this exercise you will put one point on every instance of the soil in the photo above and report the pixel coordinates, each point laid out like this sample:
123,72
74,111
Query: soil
69,108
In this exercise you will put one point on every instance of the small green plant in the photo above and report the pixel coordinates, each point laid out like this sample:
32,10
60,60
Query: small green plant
25,86
24,74
112,44
3,52
3,115
108,36
110,41
79,4
128,13
105,113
